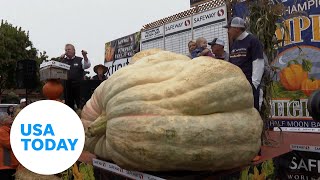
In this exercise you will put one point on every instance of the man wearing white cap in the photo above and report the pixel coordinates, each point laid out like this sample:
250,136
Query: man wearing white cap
23,103
217,48
247,53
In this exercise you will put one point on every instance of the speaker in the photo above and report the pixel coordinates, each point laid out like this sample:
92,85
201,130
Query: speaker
26,74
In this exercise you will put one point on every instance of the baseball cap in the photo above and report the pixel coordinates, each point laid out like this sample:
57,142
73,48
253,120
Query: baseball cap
23,100
236,22
217,41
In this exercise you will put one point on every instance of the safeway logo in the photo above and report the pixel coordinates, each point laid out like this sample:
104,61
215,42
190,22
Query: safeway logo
187,22
220,12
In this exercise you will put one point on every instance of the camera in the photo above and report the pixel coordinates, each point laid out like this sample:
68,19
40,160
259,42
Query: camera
313,105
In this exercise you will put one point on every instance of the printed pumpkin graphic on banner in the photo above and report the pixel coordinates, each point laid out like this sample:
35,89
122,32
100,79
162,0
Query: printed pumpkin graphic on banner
297,66
109,52
295,77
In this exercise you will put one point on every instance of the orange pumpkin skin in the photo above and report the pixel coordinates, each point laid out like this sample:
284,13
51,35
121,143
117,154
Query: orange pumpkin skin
309,86
291,77
53,89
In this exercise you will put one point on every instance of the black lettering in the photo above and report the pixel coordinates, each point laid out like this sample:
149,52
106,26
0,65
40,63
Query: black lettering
112,68
108,71
115,68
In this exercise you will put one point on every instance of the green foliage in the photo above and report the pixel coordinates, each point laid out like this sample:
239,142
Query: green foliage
87,171
15,45
11,98
264,19
264,170
278,91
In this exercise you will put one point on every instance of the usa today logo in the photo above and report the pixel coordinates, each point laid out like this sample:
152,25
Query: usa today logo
47,137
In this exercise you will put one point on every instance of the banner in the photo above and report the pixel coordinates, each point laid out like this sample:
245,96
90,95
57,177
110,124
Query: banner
175,35
118,53
294,165
297,64
110,167
178,33
152,38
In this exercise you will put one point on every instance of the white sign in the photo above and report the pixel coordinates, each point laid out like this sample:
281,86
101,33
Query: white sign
152,34
113,66
118,170
54,64
178,26
297,129
305,148
214,15
208,25
177,36
41,138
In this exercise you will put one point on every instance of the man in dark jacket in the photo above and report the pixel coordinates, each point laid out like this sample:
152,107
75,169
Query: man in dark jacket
75,74
246,52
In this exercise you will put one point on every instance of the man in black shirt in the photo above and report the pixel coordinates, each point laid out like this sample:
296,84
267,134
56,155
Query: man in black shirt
246,52
75,74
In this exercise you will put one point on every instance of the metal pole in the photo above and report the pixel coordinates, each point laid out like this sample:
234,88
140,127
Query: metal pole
26,96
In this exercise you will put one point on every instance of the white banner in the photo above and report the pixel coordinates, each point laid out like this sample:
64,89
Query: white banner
296,129
118,170
116,65
152,34
305,148
177,26
213,15
177,34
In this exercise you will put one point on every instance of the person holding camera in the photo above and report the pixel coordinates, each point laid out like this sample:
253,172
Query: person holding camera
75,74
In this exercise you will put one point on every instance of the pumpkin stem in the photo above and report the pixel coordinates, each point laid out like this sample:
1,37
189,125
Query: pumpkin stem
293,61
98,127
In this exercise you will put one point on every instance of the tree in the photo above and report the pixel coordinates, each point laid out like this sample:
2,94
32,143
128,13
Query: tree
14,45
11,98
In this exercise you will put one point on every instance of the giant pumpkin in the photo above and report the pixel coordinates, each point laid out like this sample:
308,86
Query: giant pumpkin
167,112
